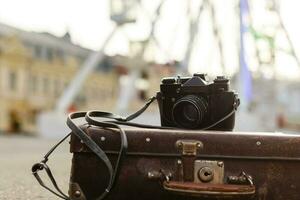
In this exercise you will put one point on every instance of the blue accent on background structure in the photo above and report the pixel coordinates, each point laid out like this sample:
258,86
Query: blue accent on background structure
245,74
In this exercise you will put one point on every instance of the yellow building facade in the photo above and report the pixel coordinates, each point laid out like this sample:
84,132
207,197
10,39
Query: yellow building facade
30,84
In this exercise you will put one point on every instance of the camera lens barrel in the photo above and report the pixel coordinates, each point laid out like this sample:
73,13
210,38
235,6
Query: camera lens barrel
189,111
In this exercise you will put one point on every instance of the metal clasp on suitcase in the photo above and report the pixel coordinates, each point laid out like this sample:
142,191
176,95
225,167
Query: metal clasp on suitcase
206,178
189,147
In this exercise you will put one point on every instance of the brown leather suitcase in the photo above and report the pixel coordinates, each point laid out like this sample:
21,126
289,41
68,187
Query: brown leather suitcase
181,164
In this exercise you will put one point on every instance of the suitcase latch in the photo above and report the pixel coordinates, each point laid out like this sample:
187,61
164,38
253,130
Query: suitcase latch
189,147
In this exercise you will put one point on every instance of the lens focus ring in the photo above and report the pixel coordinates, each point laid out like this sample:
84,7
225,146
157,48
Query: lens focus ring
189,111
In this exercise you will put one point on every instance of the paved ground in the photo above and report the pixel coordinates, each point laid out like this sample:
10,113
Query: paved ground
17,154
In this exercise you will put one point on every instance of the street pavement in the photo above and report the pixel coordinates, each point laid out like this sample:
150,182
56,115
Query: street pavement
17,155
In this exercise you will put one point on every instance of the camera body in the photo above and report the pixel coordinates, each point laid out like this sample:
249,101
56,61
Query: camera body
195,103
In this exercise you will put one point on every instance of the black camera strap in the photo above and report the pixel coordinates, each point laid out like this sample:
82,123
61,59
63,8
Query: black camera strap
115,123
113,172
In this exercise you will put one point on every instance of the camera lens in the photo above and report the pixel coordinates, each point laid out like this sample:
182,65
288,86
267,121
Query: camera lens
189,111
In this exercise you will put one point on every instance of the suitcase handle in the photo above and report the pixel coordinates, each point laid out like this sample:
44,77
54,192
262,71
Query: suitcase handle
228,191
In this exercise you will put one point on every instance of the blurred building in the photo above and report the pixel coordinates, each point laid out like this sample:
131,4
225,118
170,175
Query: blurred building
35,68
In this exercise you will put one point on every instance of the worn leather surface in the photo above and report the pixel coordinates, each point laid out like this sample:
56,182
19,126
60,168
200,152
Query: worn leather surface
155,141
272,159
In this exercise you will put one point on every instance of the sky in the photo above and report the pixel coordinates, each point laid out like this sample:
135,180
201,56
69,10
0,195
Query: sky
89,24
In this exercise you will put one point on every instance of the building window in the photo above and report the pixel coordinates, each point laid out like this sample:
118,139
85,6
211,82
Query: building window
60,55
37,51
49,54
33,84
44,53
57,88
45,85
12,81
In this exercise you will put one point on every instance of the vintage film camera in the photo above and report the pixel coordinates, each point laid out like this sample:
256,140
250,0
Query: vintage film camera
195,103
